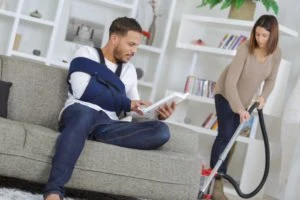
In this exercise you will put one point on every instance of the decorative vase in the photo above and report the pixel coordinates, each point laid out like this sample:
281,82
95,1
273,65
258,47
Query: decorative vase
245,12
139,73
152,30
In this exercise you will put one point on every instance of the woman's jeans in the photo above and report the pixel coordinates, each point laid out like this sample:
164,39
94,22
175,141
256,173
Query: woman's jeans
228,121
80,122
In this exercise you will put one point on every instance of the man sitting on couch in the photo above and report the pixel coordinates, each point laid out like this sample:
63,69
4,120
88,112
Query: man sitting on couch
102,85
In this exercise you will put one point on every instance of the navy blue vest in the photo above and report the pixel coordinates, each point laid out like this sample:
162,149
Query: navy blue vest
105,88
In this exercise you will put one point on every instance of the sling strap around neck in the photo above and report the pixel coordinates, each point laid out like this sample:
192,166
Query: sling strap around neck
102,60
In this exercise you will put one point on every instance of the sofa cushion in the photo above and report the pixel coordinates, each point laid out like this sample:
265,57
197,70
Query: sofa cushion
12,137
4,92
38,91
156,165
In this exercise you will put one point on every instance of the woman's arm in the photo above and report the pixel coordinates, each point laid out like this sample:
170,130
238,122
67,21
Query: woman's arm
233,75
271,79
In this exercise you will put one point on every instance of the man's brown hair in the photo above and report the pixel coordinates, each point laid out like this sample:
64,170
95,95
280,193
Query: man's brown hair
122,25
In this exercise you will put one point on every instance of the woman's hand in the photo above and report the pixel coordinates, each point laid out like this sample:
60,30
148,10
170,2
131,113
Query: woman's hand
136,105
261,101
244,116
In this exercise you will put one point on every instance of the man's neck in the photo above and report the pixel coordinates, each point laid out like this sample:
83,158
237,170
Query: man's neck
108,54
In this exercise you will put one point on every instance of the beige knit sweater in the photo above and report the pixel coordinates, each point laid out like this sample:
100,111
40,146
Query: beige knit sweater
242,78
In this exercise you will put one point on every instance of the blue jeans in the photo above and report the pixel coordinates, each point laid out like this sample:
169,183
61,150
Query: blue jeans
80,122
228,121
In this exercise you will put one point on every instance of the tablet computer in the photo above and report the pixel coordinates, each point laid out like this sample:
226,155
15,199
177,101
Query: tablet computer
176,97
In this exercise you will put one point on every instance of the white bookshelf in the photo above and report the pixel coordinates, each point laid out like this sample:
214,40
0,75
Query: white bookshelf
150,57
36,33
206,49
145,84
150,49
7,13
232,24
194,98
36,20
48,33
114,4
205,130
28,56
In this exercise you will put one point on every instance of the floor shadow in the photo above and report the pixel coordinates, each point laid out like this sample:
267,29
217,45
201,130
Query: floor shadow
37,188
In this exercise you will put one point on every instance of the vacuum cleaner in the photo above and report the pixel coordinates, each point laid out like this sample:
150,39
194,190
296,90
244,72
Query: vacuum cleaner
214,171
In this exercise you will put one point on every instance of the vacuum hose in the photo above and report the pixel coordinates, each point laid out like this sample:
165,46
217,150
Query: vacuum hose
267,160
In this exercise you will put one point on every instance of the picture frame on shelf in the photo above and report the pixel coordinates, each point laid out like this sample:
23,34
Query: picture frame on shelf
84,32
17,41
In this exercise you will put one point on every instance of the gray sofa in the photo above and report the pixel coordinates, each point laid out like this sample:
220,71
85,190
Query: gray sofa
28,135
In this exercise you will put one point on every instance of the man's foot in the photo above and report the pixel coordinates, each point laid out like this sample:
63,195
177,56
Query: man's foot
53,197
218,192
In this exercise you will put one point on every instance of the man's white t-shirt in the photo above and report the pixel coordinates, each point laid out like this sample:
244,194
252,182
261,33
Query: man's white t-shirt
80,80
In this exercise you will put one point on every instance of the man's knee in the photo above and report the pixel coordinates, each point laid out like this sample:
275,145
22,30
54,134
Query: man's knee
165,131
161,133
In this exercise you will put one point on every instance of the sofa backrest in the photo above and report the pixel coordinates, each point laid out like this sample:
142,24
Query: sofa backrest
38,92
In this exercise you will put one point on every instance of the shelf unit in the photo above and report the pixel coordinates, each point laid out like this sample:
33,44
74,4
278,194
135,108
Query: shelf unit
49,31
104,11
191,113
150,58
7,13
19,22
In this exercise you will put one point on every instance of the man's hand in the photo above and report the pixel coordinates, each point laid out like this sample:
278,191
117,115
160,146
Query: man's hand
137,104
166,111
261,101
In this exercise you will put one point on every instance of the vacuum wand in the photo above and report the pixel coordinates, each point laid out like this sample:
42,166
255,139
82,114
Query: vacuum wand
224,155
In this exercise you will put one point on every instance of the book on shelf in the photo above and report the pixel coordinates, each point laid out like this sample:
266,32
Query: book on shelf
223,40
214,126
231,41
211,122
207,119
199,87
227,42
189,84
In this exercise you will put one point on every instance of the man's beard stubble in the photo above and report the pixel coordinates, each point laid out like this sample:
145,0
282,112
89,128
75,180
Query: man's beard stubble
117,55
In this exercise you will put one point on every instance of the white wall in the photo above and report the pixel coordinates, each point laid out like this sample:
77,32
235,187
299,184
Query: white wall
176,59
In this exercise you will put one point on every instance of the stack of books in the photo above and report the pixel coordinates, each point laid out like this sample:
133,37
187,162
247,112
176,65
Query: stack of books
231,41
199,87
211,122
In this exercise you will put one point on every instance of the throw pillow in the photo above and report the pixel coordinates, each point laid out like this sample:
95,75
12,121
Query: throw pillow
4,92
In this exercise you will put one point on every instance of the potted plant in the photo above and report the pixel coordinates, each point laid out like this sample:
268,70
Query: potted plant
241,9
